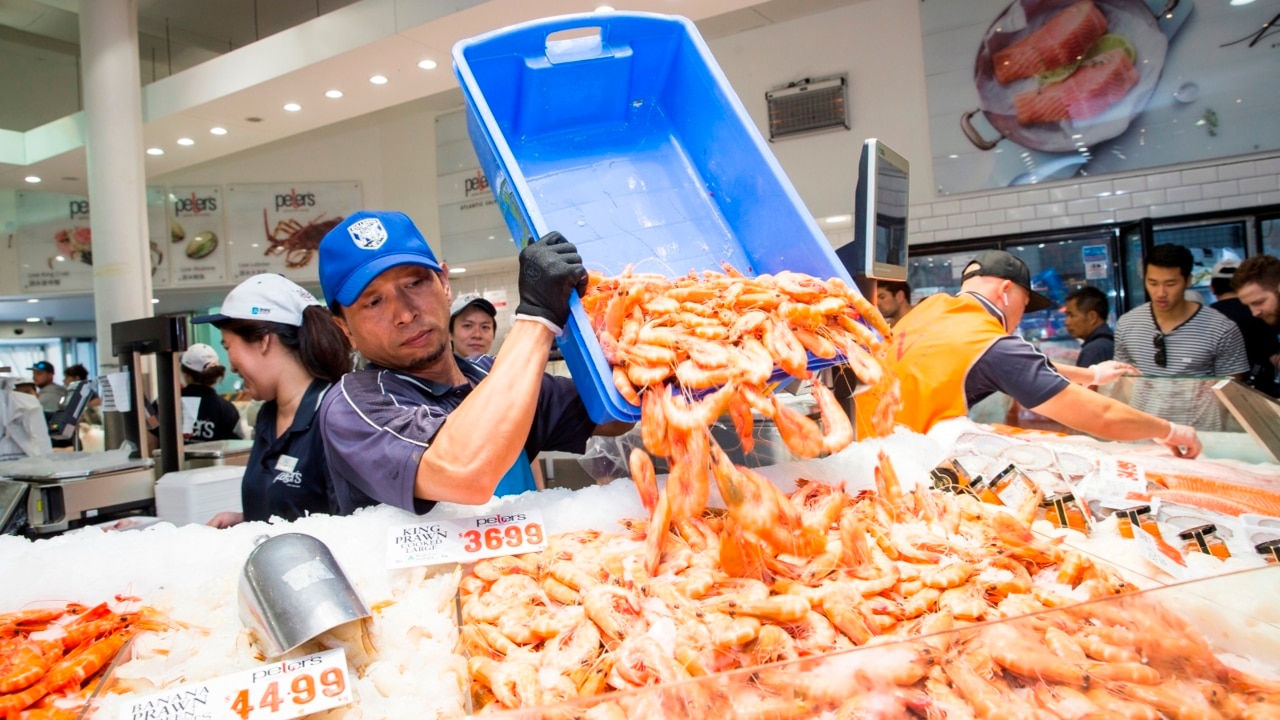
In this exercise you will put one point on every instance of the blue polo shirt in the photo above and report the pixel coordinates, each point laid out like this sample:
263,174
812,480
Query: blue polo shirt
377,423
287,475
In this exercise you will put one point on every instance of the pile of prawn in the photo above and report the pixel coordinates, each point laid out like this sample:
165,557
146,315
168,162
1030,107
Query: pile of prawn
586,617
668,340
51,658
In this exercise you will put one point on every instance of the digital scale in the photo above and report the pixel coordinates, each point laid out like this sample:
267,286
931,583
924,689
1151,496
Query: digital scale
71,489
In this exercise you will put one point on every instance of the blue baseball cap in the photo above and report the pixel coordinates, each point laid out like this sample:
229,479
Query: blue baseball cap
364,245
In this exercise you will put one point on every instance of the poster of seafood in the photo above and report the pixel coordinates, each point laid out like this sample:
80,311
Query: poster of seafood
161,258
277,227
195,235
55,242
1030,91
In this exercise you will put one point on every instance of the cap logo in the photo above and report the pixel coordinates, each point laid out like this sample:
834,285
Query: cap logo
368,234
260,310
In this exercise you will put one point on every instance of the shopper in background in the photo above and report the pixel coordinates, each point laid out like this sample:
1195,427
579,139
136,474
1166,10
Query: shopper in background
75,373
216,418
893,300
1087,309
287,348
50,393
473,321
1257,285
1260,343
1169,336
952,352
420,424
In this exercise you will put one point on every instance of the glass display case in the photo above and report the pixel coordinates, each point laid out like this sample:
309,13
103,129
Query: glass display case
1164,648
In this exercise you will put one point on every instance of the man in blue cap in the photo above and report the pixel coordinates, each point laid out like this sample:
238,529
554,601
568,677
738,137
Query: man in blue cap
417,425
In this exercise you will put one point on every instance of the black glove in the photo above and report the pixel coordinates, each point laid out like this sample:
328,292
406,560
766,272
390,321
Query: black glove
550,269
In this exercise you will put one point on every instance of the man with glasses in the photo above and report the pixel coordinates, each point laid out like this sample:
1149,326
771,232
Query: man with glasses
949,353
1172,338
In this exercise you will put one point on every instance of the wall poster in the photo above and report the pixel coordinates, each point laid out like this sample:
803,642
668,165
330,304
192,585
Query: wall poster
197,236
1029,91
277,227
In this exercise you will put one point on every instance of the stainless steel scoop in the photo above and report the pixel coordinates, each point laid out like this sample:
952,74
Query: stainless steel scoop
292,590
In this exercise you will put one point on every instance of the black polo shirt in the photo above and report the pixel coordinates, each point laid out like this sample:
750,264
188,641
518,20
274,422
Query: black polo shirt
287,475
217,419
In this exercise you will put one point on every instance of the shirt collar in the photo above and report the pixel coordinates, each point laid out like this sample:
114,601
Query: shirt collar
1102,329
991,308
470,370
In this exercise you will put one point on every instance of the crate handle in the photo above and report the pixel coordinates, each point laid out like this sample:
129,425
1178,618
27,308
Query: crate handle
573,44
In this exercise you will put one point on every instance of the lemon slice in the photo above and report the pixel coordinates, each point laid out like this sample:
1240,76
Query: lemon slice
1110,42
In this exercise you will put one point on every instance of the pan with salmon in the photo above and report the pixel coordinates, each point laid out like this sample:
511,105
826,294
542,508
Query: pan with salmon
1061,75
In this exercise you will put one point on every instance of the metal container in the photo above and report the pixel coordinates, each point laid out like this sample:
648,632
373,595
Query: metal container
217,452
292,590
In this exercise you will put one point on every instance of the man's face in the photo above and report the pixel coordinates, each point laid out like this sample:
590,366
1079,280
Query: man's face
1078,323
401,320
888,303
1263,303
1167,287
42,377
473,330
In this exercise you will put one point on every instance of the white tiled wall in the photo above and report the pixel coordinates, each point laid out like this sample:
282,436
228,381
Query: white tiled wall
1168,192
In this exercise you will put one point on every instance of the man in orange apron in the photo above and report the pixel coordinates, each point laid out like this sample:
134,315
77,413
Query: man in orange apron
951,352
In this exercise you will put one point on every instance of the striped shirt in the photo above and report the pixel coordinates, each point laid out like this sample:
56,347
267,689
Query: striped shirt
1208,344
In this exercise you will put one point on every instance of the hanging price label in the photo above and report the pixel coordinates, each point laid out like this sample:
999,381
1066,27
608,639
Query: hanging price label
466,540
285,689
1154,554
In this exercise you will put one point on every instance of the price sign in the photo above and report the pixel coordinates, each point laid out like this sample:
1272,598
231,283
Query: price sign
284,689
466,540
1153,554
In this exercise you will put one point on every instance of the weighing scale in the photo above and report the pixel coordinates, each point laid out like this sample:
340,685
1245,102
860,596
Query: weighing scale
67,490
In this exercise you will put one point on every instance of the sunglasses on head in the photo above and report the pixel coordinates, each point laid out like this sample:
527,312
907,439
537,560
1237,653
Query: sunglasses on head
1162,357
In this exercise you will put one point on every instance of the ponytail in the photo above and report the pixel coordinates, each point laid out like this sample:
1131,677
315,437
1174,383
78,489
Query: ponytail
319,344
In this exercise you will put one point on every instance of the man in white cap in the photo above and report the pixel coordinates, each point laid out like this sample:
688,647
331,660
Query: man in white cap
216,418
472,324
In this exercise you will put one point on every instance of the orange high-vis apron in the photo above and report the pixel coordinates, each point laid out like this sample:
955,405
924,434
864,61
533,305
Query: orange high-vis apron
931,352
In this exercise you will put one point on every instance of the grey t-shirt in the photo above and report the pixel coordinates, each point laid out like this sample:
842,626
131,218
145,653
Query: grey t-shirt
1014,367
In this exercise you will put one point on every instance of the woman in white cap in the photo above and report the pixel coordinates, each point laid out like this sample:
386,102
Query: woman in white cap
287,348
217,418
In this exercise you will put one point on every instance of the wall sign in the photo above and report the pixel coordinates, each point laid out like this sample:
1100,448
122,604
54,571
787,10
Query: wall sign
277,228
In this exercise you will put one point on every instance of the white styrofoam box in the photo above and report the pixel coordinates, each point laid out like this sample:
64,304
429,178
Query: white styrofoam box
195,496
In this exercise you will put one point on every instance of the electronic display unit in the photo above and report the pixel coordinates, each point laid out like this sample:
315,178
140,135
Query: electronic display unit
879,247
62,425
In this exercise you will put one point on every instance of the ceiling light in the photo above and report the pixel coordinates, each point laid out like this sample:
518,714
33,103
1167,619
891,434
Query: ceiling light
335,94
155,151
292,107
60,258
837,219
604,8
953,156
155,300
33,300
218,131
427,64
457,271
186,141
33,319
378,79
32,178
1241,2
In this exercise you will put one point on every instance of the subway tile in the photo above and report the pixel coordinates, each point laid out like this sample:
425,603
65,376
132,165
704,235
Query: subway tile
922,237
988,217
1008,228
1065,221
976,231
1003,200
1130,184
975,204
1183,194
1200,206
948,207
1020,213
961,220
1037,225
1064,192
1083,205
1200,176
1115,202
912,225
1271,198
1164,180
1266,183
1221,189
1239,201
1050,210
932,224
948,234
1270,166
1237,170
1147,197
923,210
1033,197
1131,214
1096,189
1100,218
1166,210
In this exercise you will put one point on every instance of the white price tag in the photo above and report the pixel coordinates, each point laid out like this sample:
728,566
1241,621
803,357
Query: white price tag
1117,479
1152,554
1015,493
284,689
466,540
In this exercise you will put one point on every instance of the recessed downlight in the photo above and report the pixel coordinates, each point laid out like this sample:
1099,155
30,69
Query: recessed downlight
428,64
186,141
33,320
32,178
457,270
217,131
155,151
605,8
292,107
155,300
33,300
378,79
837,219
334,94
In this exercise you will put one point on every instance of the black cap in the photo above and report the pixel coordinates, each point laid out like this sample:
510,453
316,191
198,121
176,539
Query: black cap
44,365
1000,264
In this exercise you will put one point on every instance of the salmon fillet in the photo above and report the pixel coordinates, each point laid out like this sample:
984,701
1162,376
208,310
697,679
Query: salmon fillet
1061,41
1264,501
1224,505
1096,86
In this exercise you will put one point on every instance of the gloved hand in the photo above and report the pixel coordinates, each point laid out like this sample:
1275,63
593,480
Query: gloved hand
550,269
1182,441
1109,371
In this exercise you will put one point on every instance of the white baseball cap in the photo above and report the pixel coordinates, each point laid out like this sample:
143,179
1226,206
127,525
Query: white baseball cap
266,297
199,357
1225,269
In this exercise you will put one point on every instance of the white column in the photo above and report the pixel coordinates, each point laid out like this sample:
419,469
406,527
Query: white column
117,178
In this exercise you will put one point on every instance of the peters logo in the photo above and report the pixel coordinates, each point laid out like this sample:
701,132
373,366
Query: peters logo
368,234
499,519
295,201
477,184
194,205
78,209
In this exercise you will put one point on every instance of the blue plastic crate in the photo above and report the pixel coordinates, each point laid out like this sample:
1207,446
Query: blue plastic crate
631,143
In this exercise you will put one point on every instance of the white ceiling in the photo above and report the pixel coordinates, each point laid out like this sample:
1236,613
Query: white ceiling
256,80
